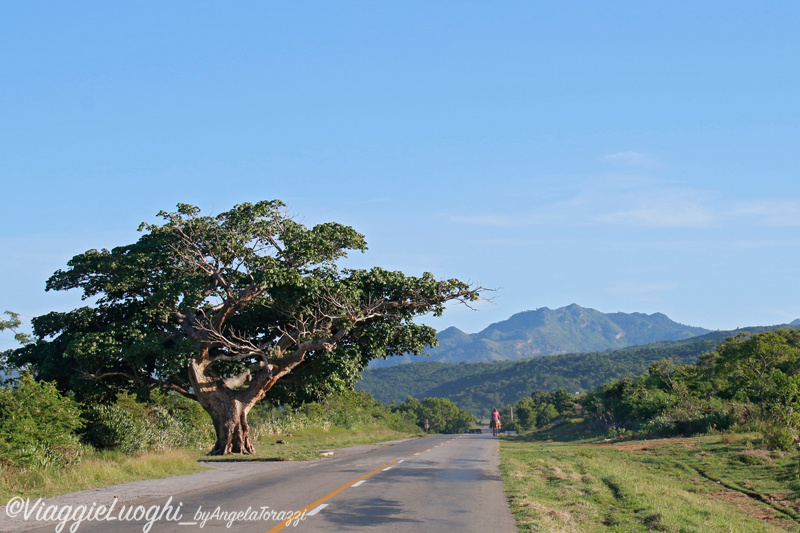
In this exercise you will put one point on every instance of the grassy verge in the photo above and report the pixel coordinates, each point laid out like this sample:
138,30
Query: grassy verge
308,443
702,484
101,469
97,469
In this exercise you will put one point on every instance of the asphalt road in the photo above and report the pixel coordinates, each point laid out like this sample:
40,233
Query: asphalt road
439,483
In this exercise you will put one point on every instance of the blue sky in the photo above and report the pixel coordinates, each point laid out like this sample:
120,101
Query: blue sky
625,156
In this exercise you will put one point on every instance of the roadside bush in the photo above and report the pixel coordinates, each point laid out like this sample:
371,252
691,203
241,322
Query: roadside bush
751,425
778,437
168,421
398,422
114,427
38,425
345,410
177,422
705,422
688,423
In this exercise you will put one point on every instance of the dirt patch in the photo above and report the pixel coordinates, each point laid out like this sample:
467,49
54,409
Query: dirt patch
648,445
551,519
748,506
755,456
787,500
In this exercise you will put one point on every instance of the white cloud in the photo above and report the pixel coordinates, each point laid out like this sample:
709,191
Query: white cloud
769,212
633,201
661,208
628,158
638,201
482,220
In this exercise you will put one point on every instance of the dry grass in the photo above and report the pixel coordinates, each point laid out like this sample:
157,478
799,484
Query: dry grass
98,469
101,469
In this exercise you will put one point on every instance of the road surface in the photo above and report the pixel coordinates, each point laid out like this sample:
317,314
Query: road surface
438,483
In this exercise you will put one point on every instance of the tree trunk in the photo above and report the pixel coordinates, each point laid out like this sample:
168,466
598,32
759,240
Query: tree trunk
228,410
230,425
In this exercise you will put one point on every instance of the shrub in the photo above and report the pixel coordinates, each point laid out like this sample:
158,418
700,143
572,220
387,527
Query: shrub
174,421
344,410
398,422
687,423
38,425
114,427
778,437
615,432
705,422
167,421
546,414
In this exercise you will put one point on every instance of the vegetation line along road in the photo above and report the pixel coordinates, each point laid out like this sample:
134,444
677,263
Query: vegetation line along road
227,309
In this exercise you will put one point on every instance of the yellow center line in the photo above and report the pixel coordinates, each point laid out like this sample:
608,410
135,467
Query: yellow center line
334,493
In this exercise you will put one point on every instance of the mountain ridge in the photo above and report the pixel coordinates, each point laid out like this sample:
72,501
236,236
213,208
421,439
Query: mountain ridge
479,386
546,331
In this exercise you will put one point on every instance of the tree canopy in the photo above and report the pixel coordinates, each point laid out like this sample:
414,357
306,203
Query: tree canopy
442,415
226,308
747,377
7,370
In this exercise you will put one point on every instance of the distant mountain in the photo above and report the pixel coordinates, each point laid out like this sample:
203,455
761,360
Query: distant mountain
795,322
546,331
478,387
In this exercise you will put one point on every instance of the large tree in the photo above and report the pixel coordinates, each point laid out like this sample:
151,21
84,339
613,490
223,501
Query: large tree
223,308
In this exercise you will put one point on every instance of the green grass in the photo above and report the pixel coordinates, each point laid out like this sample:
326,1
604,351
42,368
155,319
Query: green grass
101,469
703,484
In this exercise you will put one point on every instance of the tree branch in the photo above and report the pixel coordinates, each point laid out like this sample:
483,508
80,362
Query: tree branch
237,302
287,363
248,375
144,381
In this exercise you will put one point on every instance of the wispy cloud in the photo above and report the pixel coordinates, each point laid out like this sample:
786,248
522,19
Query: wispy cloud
483,220
768,212
628,158
631,201
664,208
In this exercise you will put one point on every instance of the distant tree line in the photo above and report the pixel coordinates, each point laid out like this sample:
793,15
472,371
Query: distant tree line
441,415
478,387
749,381
41,427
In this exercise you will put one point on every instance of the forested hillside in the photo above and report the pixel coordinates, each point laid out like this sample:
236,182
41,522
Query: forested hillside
478,387
570,329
